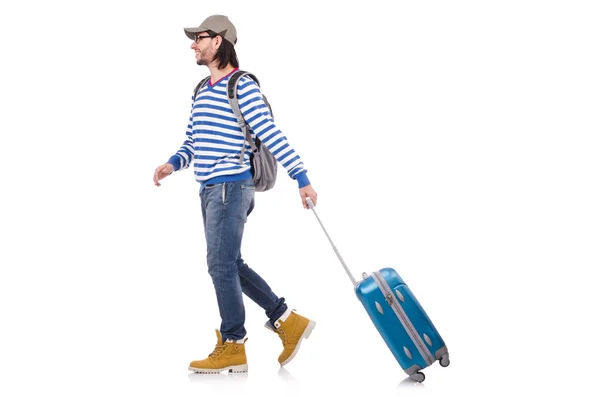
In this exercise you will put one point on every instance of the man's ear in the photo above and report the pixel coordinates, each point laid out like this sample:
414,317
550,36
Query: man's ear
218,42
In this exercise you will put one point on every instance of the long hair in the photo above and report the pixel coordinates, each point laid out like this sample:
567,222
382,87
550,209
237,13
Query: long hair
226,53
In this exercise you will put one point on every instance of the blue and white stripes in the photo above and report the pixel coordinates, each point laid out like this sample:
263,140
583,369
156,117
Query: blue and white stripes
214,139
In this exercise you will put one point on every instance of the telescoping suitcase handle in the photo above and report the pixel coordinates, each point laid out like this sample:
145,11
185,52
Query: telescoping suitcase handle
312,207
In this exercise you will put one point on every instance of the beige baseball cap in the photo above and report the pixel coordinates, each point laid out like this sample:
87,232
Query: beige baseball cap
217,23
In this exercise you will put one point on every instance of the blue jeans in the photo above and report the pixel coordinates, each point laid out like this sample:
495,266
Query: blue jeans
225,208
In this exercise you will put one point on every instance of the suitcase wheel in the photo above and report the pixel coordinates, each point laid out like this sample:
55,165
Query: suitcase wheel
445,360
418,376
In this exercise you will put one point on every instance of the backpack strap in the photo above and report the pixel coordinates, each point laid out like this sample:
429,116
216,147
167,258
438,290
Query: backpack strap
235,106
232,94
201,84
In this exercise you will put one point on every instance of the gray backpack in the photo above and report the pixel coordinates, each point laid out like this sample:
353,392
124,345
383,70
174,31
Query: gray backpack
263,164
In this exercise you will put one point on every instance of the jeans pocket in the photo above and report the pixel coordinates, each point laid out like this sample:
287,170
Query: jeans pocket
213,186
213,191
247,197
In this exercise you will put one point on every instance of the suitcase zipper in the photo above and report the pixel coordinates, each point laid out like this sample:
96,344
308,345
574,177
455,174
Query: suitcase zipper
397,308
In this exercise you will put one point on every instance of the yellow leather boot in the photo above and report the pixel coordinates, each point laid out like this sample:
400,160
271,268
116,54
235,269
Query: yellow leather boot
291,328
228,355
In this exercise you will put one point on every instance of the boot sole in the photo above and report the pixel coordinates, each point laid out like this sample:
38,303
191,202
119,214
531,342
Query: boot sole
309,328
236,369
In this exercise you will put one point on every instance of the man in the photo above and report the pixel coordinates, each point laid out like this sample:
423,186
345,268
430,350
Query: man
214,141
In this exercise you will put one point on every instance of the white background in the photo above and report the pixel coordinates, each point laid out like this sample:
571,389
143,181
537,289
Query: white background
453,141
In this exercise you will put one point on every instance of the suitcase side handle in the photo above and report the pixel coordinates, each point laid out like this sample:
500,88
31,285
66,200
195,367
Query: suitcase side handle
312,207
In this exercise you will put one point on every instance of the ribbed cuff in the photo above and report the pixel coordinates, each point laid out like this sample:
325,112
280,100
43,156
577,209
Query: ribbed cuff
302,180
175,161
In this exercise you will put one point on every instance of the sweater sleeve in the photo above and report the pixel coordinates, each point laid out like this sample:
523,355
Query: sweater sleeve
183,158
257,115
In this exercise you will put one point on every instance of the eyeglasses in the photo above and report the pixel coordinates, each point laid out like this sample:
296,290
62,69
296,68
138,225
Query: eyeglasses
197,37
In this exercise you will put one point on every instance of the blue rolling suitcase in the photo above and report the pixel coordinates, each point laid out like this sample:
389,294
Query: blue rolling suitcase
401,321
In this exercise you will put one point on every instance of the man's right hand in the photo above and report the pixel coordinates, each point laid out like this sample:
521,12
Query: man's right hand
161,172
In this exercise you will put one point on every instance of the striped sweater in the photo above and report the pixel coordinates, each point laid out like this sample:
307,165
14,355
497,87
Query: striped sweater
214,139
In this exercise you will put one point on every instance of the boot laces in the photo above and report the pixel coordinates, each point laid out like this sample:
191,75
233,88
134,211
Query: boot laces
282,335
219,349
